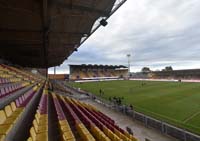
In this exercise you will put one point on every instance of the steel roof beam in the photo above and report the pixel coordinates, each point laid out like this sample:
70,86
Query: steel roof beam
82,8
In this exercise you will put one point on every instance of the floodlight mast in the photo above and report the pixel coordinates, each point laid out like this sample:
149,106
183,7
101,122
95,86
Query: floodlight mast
54,70
128,56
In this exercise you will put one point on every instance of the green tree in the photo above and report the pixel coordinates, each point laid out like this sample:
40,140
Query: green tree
168,68
145,69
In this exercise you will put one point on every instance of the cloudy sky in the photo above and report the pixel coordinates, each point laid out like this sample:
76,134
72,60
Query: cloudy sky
157,33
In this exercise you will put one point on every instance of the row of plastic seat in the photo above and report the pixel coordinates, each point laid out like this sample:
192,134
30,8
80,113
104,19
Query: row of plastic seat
6,76
109,128
10,80
9,77
65,129
90,121
82,130
3,69
39,130
4,81
80,74
10,88
11,113
26,97
25,75
89,126
14,73
96,131
6,73
13,80
96,111
108,122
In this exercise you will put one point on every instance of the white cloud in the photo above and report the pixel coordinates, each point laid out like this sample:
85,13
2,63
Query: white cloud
155,32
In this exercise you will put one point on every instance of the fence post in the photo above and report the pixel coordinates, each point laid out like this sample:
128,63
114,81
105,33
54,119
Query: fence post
145,118
124,109
133,114
185,138
163,130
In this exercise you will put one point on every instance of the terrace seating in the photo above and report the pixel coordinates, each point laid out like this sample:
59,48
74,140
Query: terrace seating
10,88
76,120
100,127
11,113
87,74
39,130
13,79
73,120
80,127
63,123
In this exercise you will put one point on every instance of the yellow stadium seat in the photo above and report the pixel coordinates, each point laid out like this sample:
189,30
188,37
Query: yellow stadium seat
99,134
42,119
5,128
41,115
38,137
4,119
8,111
130,136
122,136
35,88
2,116
84,133
30,139
2,137
42,136
111,135
13,106
15,109
39,128
68,135
63,122
33,133
65,128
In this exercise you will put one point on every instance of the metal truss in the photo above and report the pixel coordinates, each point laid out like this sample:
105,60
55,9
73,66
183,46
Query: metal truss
97,24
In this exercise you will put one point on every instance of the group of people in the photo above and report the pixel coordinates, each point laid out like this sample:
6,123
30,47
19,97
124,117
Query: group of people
143,84
116,100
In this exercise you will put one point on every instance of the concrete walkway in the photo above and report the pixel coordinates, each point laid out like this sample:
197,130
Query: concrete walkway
140,132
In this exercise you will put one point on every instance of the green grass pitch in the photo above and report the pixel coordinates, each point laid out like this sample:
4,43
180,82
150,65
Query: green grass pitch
173,102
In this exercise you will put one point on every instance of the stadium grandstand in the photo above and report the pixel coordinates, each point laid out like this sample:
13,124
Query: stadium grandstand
26,98
36,35
35,106
190,74
97,72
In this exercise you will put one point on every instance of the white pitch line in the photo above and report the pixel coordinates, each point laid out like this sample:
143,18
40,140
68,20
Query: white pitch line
192,116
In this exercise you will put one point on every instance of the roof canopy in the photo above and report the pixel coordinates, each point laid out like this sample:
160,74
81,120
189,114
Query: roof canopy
97,66
43,33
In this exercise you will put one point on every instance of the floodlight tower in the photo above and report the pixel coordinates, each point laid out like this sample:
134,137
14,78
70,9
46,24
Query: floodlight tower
128,56
54,70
